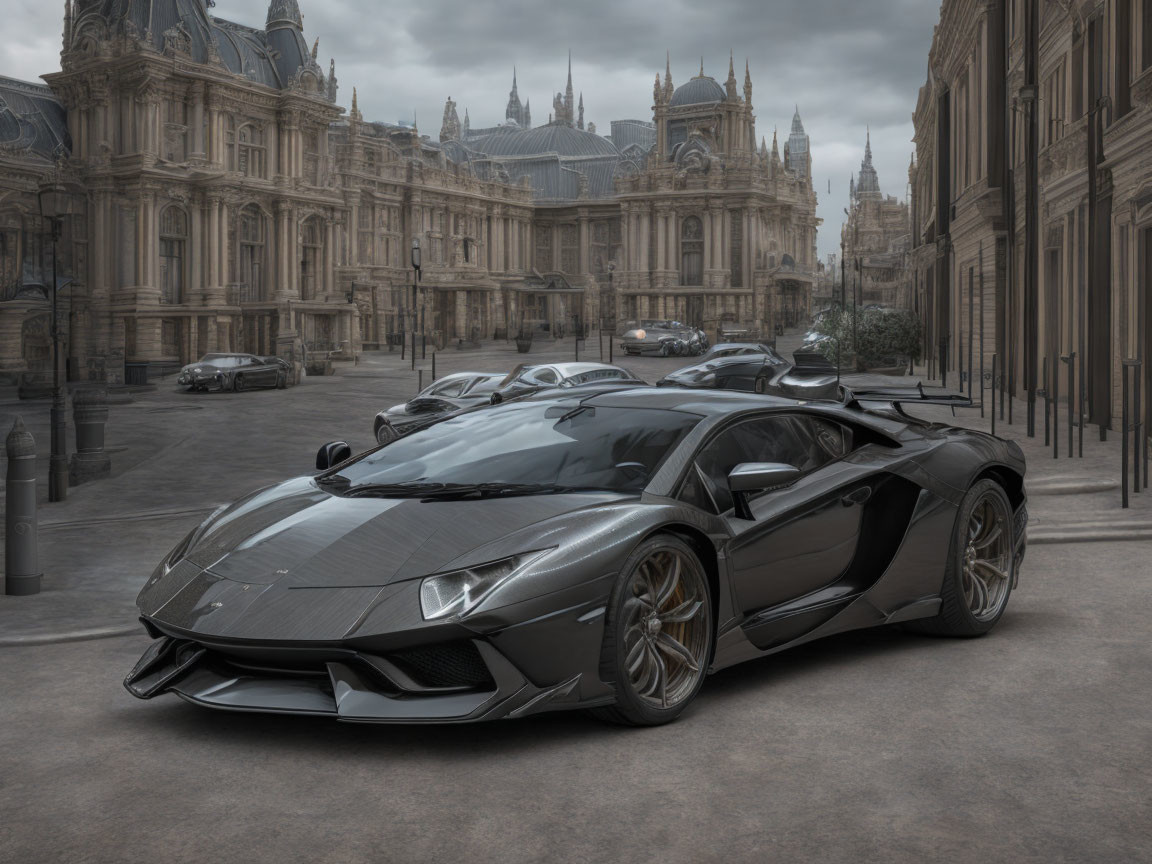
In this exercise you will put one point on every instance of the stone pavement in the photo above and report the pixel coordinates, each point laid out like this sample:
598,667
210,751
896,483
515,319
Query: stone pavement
176,456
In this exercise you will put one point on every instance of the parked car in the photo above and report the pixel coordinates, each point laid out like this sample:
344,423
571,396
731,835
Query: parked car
731,349
604,549
666,338
447,394
527,379
235,372
810,377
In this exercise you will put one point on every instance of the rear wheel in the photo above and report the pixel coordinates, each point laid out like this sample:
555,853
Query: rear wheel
658,634
238,384
980,570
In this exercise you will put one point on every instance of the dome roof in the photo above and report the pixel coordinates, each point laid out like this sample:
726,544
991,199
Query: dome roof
698,91
562,140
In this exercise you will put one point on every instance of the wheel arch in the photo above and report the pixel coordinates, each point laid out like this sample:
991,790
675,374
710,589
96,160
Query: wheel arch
1010,480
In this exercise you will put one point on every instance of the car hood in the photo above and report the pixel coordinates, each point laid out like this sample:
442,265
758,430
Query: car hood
297,536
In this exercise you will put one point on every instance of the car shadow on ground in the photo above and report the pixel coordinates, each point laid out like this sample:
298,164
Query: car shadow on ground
170,716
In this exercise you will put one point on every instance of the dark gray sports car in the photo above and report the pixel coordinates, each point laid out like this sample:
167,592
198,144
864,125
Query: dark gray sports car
600,549
235,372
810,377
450,393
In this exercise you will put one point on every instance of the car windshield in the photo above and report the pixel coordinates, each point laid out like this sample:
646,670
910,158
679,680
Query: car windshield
224,361
535,443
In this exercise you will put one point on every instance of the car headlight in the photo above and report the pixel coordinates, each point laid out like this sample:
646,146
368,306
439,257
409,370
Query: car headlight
640,334
460,591
196,371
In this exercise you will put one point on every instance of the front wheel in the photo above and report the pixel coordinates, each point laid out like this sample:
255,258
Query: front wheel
981,566
385,434
657,635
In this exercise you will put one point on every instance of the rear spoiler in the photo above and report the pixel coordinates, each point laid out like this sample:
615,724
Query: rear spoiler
912,395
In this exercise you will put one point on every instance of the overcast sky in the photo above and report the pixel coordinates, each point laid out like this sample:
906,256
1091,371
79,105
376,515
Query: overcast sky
848,64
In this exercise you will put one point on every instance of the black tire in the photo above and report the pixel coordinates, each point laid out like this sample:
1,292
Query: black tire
663,349
238,384
956,617
632,708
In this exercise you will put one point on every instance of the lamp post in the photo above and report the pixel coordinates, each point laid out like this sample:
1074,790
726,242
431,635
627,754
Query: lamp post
612,306
55,206
415,283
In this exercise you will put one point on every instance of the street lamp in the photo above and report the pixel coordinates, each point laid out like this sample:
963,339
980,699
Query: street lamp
56,206
612,305
415,283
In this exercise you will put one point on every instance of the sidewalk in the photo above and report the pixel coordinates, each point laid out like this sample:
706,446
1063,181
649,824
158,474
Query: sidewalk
177,456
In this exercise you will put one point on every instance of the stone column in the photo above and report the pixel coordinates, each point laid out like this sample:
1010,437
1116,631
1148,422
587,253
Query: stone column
197,142
212,279
585,246
329,261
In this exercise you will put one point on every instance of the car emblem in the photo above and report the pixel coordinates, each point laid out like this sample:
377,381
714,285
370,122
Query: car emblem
281,572
217,605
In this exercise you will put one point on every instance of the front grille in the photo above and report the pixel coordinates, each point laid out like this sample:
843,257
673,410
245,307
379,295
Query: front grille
454,664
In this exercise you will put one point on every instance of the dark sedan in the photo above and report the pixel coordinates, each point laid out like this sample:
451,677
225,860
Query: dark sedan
527,379
598,548
450,393
235,372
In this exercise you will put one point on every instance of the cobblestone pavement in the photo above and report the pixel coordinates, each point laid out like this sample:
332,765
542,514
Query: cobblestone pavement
1030,745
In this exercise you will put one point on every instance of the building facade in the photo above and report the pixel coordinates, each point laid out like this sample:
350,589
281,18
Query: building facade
221,199
1032,197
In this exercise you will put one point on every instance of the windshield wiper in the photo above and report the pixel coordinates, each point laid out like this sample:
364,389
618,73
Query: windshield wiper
393,490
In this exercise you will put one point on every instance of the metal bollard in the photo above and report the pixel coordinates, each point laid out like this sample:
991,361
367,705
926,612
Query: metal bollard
1137,424
992,387
577,348
90,414
420,381
1124,367
21,542
1043,394
433,366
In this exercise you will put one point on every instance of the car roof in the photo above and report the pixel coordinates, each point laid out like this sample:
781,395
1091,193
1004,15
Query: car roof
568,370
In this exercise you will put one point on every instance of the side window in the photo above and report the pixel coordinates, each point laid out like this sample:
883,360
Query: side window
544,376
805,442
450,390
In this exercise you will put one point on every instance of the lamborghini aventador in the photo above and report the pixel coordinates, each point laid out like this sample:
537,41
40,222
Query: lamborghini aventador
603,549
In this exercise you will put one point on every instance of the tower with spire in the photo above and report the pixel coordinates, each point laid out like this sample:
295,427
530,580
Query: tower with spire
450,129
799,146
869,185
515,112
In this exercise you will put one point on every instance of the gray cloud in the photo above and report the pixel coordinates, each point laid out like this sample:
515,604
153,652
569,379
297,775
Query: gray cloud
848,64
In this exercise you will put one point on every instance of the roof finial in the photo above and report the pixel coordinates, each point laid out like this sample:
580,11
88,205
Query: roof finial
701,66
355,112
315,47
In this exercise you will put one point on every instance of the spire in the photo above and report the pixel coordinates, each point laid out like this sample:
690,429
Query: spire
568,102
332,83
580,121
355,114
775,146
701,67
656,90
67,24
450,127
528,114
730,84
747,82
668,77
514,112
799,146
315,48
869,185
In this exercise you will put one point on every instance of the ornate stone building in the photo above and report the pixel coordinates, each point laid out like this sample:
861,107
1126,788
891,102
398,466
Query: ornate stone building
715,228
223,200
876,241
1033,169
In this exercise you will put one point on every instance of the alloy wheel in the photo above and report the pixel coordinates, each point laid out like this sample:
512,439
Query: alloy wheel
665,630
986,566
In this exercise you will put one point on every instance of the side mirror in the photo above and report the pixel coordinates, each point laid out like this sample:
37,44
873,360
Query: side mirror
332,454
750,477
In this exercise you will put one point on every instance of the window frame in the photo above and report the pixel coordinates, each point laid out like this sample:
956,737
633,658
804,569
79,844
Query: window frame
173,278
693,466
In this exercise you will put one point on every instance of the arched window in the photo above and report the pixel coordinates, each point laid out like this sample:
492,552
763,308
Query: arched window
173,243
252,254
312,248
692,252
250,151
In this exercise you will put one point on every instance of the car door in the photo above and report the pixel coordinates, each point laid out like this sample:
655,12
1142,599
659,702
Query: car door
257,372
803,538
